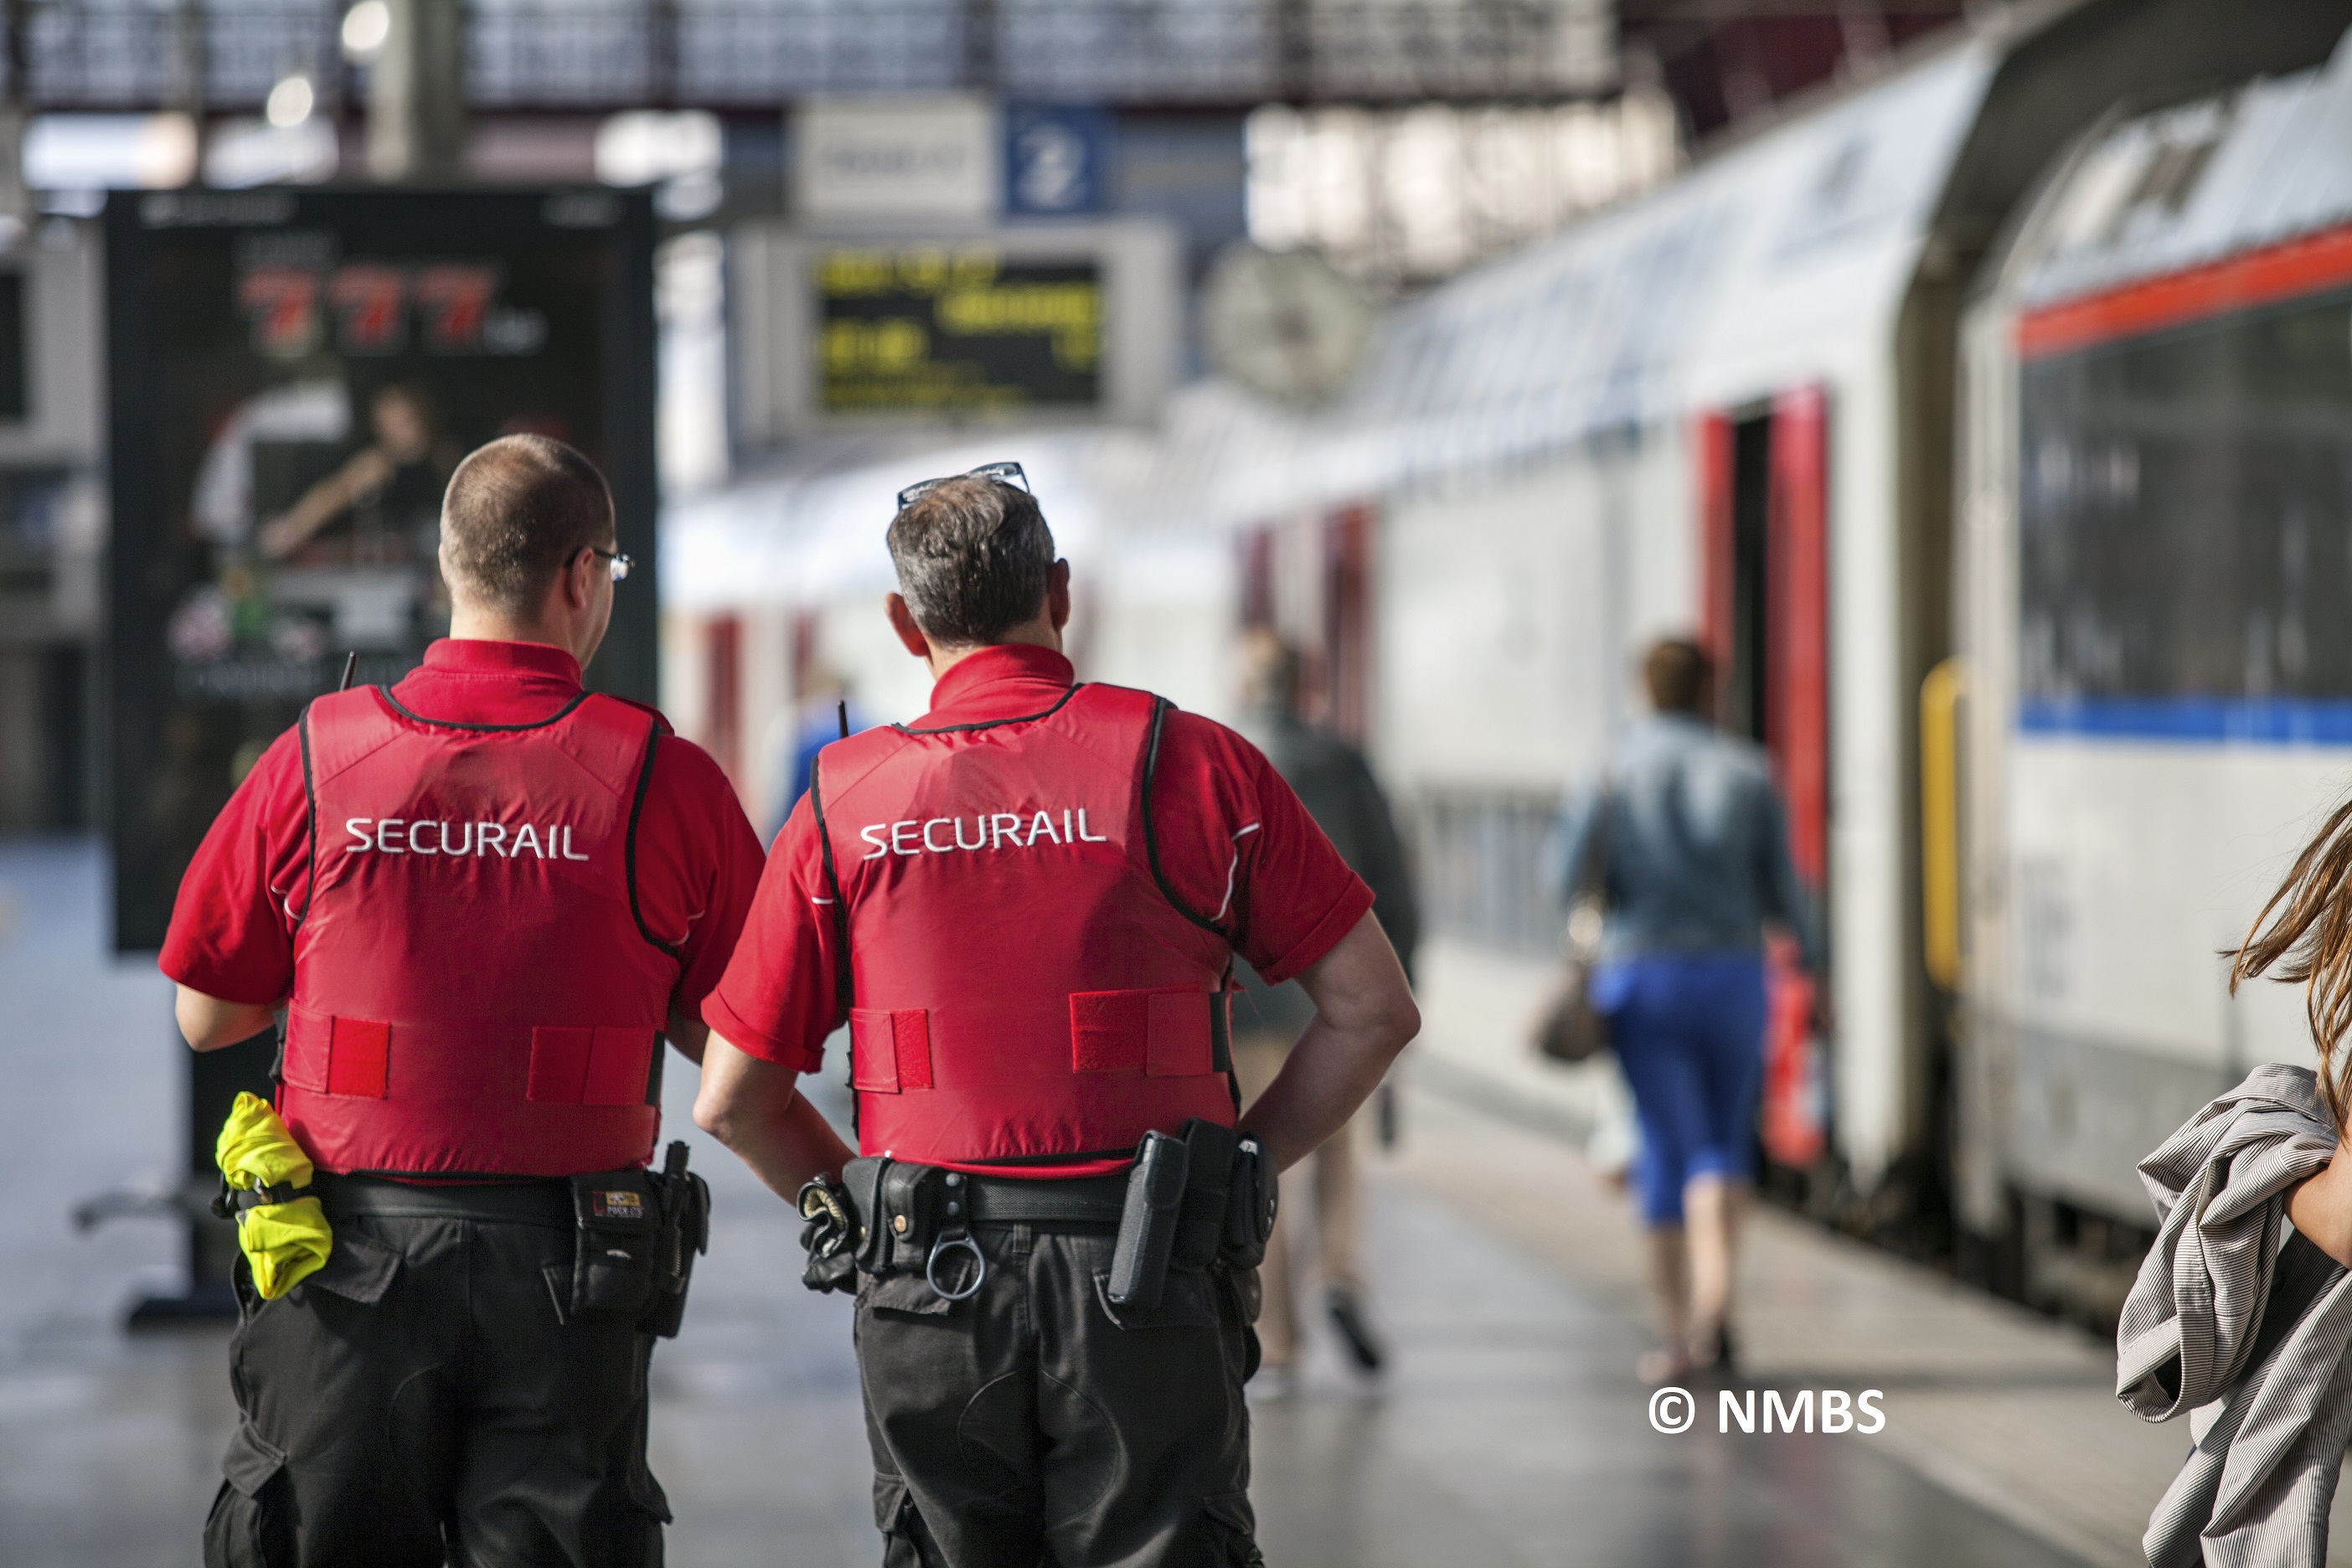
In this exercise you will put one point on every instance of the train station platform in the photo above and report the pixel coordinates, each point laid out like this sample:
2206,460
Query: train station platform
1509,1431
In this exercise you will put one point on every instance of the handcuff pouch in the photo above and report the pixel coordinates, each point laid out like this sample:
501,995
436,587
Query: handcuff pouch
616,1227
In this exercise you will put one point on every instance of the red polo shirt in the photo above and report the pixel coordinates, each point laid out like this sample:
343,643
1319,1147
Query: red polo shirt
232,935
1281,889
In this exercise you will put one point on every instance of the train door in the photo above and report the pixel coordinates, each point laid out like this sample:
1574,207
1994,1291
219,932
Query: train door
1311,582
1764,618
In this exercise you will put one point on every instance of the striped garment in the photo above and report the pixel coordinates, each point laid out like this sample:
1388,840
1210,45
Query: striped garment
2222,1312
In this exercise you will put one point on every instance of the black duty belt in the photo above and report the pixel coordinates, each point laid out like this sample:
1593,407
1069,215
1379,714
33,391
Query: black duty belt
546,1202
1036,1200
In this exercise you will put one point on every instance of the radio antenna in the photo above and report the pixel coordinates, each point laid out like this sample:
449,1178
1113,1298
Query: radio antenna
841,708
350,663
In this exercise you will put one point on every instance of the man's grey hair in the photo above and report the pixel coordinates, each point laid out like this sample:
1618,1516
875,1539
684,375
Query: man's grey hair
974,555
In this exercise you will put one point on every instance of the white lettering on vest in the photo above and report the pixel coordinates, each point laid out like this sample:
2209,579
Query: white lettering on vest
403,836
989,830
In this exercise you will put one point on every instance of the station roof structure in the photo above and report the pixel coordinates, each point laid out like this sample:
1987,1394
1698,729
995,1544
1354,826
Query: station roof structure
589,55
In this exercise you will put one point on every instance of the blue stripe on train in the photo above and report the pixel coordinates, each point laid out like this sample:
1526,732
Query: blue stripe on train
2258,720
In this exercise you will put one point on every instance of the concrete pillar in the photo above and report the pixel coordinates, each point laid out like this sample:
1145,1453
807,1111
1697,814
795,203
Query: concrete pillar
16,205
416,96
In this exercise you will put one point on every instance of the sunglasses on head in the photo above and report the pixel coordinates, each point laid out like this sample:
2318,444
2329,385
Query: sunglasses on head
1003,473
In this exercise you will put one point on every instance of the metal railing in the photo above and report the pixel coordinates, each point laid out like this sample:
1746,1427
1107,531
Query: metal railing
610,54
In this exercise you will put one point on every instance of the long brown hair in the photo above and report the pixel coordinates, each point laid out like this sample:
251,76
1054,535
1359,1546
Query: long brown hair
2304,934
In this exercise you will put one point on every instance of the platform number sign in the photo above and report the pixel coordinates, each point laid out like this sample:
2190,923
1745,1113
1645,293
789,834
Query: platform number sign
1056,158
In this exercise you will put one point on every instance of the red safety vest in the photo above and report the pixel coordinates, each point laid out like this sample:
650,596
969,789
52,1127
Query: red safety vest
1023,988
474,989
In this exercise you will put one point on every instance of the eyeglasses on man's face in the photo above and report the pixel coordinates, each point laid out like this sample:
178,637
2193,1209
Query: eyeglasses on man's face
1007,473
620,564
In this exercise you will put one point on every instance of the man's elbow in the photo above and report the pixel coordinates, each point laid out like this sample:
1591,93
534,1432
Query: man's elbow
716,1117
1396,1024
209,1023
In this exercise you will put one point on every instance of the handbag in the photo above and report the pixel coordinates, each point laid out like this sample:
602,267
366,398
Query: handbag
1569,1028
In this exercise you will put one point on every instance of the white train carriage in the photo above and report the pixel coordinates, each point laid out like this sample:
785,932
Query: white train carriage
2155,571
1683,417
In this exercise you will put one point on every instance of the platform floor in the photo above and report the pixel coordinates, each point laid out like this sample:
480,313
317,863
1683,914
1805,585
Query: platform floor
1510,1430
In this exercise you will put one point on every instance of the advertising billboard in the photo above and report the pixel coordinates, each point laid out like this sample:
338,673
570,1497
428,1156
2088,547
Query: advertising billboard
293,376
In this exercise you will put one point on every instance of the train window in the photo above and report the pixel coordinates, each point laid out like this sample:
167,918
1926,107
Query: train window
2185,518
1484,868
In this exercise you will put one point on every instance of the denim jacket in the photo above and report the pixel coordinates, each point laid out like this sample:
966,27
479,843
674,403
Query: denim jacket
1696,847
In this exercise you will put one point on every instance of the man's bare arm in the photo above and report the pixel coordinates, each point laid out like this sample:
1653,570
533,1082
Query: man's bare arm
210,1023
687,1032
756,1108
1364,1014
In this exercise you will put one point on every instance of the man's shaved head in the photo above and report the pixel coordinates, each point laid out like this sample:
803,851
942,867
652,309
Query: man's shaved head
516,510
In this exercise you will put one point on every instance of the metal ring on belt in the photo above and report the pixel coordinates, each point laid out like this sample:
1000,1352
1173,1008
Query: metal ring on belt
945,1242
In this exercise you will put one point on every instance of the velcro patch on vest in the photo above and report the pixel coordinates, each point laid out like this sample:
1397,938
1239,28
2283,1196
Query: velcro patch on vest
1163,1033
617,1203
889,1050
327,1055
603,1066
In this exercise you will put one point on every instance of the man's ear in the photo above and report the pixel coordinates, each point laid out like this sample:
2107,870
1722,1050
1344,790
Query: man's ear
579,580
902,621
1057,594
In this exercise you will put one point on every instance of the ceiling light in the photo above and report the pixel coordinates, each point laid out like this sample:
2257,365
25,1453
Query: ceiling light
366,25
290,102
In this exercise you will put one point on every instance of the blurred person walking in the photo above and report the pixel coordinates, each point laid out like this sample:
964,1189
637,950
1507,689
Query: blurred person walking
1691,843
1336,784
483,896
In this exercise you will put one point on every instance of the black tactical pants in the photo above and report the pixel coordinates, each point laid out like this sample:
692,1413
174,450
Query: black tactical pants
419,1400
1034,1423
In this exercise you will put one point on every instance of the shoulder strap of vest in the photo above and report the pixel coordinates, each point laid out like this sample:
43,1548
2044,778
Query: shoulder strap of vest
310,814
1221,1044
1159,707
335,731
654,731
844,983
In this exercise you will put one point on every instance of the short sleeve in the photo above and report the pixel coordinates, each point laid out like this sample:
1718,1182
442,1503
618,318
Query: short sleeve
781,996
232,931
1235,839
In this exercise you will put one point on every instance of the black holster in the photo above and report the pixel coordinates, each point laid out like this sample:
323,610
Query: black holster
636,1233
1221,1214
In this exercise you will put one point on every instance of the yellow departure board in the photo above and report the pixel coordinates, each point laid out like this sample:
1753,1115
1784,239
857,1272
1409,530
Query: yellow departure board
944,330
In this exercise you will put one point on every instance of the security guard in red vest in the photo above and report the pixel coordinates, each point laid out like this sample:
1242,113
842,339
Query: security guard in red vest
1026,906
482,897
